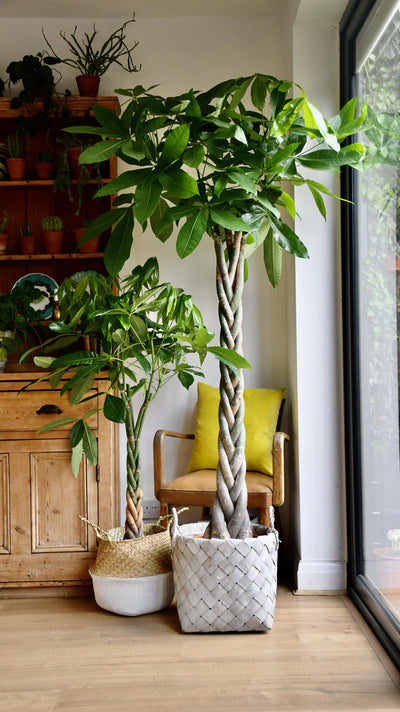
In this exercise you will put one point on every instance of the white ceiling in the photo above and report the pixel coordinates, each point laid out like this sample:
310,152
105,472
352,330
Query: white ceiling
143,8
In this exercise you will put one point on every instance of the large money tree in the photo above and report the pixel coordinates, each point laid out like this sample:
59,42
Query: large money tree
219,164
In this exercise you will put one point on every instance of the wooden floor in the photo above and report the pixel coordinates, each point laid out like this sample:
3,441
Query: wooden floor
66,654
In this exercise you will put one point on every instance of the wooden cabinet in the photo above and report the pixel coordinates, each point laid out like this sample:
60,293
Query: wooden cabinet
43,542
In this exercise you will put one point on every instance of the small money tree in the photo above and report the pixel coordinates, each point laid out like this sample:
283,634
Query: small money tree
219,164
143,337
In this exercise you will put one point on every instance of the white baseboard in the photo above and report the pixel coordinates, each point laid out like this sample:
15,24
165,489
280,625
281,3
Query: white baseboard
321,576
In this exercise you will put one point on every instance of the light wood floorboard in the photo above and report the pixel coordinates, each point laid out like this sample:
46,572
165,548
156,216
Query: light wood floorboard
68,655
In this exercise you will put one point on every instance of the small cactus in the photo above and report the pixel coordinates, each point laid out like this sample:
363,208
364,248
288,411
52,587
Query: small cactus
52,222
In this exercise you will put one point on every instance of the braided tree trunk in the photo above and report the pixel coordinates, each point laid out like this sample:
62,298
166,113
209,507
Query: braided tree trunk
229,517
134,494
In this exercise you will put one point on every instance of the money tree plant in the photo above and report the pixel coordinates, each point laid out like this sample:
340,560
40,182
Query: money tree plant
143,336
219,164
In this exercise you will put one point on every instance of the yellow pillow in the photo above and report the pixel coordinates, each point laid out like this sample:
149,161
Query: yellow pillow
260,418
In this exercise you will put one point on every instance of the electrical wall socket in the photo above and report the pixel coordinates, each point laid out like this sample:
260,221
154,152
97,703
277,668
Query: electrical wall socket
151,509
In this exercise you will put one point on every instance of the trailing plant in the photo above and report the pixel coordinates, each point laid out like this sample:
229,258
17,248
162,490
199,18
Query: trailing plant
88,57
221,170
146,336
52,222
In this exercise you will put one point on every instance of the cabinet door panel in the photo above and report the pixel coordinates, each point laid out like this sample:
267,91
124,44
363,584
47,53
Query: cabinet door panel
58,499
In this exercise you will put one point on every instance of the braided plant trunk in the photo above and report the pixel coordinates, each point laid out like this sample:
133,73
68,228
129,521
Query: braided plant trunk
229,517
134,493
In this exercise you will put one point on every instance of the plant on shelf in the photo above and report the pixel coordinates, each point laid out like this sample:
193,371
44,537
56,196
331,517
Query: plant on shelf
16,161
91,58
37,79
44,164
52,227
52,222
17,315
145,336
27,239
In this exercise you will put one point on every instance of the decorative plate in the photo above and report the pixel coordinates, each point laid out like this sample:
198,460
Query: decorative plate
80,275
47,285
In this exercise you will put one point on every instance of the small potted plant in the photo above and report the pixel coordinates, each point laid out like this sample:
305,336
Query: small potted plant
16,315
3,233
44,164
52,226
93,60
27,239
16,162
37,79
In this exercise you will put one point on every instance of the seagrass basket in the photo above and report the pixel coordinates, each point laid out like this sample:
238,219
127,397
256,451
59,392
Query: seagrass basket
132,558
225,585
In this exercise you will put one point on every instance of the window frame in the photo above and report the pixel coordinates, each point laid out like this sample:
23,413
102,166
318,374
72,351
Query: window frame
380,618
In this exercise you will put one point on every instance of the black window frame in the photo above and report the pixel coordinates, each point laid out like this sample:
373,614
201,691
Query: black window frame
380,618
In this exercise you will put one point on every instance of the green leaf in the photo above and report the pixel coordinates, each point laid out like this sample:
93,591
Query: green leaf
287,238
56,424
179,183
101,151
314,119
229,357
43,361
114,409
103,222
160,229
109,121
80,389
147,196
288,202
193,157
89,444
191,233
138,327
127,179
272,258
175,144
318,200
118,247
76,458
185,378
77,433
259,92
243,180
228,220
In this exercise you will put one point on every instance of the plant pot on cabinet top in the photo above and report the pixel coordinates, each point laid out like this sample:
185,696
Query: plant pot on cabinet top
88,84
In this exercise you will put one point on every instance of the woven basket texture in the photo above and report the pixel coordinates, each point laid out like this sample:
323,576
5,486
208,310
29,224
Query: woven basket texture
225,585
133,558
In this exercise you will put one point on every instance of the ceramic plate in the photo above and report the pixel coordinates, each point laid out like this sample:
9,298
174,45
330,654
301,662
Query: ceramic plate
80,275
47,285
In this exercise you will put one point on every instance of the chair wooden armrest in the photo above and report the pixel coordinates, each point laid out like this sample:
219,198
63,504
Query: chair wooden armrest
278,471
158,454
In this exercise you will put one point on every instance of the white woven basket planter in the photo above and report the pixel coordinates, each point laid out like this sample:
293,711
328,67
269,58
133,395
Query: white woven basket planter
225,585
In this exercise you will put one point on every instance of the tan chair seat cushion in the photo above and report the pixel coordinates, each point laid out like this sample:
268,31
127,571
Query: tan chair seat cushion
205,481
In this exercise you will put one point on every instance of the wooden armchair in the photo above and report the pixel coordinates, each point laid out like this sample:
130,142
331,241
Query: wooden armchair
198,487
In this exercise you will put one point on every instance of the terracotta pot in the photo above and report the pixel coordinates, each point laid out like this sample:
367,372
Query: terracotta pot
53,241
44,170
73,156
88,84
91,245
16,168
27,244
3,243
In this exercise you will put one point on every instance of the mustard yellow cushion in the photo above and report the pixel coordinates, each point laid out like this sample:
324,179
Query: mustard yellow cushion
260,418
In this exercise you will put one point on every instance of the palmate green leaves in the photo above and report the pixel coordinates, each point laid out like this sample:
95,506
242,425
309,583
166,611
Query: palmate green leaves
201,160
